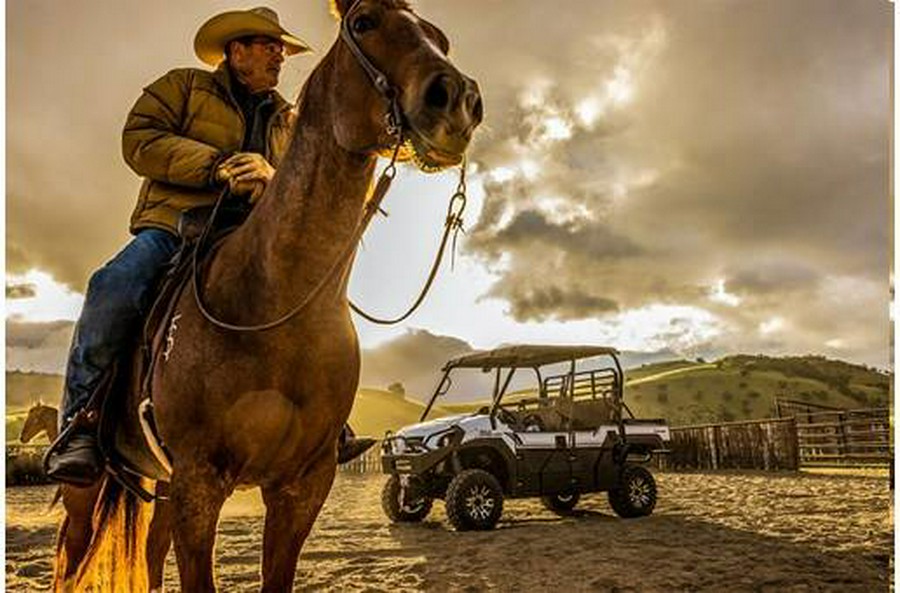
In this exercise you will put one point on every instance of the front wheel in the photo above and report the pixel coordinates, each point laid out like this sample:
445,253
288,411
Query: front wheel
474,500
634,494
402,505
561,504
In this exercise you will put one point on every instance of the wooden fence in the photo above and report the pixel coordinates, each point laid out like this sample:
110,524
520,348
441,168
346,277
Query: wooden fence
846,437
368,462
769,444
24,465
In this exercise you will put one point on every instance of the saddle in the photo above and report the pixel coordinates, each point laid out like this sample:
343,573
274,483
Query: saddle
126,427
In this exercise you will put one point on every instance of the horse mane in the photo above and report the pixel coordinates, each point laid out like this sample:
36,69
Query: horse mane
399,4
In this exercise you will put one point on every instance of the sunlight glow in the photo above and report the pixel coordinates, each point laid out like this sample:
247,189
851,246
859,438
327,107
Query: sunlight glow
502,174
771,326
557,128
52,301
657,326
588,111
620,89
718,294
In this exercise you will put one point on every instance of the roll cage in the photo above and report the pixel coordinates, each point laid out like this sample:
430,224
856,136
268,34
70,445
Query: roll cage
595,393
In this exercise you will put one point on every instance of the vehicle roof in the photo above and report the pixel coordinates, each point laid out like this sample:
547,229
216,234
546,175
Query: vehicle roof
526,355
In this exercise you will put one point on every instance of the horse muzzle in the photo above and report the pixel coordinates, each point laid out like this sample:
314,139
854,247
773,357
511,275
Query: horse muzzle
442,118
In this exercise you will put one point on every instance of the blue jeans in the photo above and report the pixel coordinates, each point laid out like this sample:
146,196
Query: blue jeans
118,297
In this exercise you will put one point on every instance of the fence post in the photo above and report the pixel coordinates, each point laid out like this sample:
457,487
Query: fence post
794,442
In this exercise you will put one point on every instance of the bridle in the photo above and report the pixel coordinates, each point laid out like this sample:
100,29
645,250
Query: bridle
394,126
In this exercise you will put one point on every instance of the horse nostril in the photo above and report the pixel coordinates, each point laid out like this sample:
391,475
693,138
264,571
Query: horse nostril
437,96
477,110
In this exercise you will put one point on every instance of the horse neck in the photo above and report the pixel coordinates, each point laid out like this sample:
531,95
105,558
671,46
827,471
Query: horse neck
307,218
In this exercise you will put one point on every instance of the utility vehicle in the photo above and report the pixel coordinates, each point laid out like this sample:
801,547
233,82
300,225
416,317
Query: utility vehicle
566,434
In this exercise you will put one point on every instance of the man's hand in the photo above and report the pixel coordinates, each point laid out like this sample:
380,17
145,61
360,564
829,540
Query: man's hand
247,173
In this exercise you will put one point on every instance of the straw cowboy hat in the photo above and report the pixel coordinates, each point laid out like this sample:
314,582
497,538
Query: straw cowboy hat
214,34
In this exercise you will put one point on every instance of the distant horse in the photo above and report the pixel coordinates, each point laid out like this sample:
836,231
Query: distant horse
41,418
265,408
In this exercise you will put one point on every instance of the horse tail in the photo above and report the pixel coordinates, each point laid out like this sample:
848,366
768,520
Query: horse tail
116,557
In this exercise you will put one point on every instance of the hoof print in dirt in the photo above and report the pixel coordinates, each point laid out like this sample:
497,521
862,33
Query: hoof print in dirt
474,501
635,493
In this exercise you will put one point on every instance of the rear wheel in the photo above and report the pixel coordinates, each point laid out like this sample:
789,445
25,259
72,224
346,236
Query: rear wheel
634,494
474,500
561,504
403,505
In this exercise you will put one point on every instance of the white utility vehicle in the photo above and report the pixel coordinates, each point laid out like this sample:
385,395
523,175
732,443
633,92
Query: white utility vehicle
565,436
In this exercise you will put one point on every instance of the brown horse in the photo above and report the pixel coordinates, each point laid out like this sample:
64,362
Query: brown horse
41,418
265,408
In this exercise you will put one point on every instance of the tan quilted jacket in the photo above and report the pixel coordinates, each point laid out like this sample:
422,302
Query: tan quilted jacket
178,131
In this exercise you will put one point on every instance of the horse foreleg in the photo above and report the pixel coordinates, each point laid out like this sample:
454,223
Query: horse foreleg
76,531
197,496
291,510
159,539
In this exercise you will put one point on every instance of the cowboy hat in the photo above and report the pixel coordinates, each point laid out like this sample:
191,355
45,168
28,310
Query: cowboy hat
214,34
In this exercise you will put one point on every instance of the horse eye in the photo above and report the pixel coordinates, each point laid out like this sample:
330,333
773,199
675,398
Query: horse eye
363,23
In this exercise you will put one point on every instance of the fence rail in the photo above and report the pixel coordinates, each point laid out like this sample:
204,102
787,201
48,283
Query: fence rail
844,437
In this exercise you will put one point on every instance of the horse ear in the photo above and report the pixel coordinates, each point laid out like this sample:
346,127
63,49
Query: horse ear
340,7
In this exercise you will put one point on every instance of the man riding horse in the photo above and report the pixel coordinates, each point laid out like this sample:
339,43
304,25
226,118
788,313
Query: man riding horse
192,134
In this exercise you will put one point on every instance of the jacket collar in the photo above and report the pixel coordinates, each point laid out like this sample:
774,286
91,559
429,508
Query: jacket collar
223,77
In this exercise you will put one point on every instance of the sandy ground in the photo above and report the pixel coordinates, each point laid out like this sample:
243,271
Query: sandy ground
710,532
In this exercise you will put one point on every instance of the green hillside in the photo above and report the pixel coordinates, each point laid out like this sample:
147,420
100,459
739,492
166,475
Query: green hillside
376,411
742,387
733,388
24,389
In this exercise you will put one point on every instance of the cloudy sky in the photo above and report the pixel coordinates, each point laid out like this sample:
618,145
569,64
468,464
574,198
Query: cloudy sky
700,176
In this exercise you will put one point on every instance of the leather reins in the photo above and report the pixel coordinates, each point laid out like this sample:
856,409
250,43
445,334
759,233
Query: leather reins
394,126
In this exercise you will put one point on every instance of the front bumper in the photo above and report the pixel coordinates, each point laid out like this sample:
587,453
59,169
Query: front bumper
400,455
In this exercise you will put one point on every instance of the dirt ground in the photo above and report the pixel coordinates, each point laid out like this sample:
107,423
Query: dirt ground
710,532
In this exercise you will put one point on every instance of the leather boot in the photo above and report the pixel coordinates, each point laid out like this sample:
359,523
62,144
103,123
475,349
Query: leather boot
77,460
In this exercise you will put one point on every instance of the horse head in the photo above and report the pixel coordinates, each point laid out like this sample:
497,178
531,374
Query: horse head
395,63
40,418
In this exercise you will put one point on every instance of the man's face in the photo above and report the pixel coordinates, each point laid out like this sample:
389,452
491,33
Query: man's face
257,62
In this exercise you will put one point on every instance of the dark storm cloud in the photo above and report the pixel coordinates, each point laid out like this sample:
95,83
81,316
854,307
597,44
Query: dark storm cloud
769,277
530,228
753,150
20,291
551,302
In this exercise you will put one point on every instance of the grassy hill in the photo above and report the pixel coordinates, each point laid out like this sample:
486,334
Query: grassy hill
742,387
684,392
376,411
